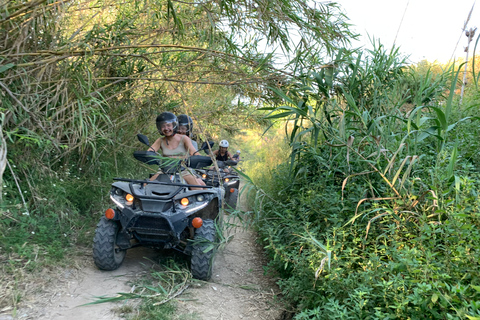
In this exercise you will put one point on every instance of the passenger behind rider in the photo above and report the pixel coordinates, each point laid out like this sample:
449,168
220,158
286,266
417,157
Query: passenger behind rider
174,145
185,127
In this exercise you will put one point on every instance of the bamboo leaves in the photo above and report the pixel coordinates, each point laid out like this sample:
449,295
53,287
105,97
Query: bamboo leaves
5,67
358,129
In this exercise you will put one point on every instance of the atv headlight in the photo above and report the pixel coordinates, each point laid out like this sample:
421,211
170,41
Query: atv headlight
200,198
226,179
204,176
121,198
117,200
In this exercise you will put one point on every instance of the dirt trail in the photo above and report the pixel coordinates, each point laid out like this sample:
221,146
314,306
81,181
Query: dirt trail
66,292
238,289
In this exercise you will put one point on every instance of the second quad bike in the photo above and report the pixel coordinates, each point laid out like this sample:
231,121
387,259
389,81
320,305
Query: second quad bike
228,178
163,213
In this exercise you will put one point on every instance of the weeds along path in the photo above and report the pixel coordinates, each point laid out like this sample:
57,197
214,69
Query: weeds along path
238,289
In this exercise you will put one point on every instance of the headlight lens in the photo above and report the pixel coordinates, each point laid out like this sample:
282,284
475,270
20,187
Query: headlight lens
200,198
184,202
129,197
226,179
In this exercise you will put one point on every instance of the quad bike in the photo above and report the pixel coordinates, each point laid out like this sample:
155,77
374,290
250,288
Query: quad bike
162,213
228,178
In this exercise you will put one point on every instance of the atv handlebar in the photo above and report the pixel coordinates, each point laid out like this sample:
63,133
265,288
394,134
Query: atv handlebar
171,165
160,182
223,164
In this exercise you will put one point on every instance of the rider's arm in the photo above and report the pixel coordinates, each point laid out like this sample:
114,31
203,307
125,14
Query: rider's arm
156,145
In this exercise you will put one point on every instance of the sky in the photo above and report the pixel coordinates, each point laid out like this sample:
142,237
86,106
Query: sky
430,29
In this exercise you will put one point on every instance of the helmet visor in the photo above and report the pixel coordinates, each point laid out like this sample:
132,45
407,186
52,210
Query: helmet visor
166,125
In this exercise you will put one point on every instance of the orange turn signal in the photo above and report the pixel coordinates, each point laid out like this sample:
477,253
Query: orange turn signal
197,222
129,197
232,190
110,213
184,202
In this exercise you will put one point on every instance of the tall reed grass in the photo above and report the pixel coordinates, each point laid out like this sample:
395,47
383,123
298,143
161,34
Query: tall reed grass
378,180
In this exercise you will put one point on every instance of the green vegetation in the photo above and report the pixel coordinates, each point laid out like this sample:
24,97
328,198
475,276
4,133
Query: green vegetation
79,79
376,210
366,174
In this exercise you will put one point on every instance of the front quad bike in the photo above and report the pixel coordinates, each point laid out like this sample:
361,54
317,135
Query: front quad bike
161,214
229,179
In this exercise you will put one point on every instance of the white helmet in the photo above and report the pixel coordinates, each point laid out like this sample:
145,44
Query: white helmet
223,143
238,151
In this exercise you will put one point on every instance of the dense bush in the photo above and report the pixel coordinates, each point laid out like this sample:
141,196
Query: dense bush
409,265
375,216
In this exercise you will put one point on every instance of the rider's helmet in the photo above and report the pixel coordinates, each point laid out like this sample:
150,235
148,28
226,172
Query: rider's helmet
238,151
223,143
184,120
167,117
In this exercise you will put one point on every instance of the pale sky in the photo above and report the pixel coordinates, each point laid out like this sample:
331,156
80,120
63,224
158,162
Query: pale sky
430,28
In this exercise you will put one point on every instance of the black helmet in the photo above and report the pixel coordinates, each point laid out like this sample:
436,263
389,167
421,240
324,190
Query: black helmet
184,120
167,117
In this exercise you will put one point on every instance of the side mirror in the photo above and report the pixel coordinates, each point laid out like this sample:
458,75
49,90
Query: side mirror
143,139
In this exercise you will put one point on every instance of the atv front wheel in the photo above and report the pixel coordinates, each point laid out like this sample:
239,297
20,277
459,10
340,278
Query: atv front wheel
204,240
232,200
106,254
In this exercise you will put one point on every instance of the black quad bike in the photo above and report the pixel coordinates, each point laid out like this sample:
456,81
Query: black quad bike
229,179
163,213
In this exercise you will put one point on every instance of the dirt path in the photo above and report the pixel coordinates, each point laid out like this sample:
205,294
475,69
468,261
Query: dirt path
238,289
66,292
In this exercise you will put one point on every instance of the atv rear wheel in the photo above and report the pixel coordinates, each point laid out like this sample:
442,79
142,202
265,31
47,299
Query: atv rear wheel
204,239
106,254
232,200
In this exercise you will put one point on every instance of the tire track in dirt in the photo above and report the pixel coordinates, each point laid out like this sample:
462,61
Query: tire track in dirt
238,289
